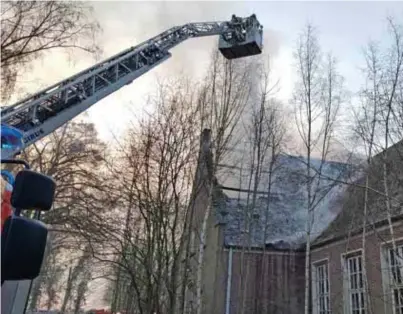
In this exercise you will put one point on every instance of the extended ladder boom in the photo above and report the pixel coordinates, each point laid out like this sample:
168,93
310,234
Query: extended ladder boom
42,113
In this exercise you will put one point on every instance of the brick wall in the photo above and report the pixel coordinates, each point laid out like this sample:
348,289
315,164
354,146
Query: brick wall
333,252
274,282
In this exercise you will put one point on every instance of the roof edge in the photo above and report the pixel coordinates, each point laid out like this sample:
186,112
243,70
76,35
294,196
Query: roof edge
378,224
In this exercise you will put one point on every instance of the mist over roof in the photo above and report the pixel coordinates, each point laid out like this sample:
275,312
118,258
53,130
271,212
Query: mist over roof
279,218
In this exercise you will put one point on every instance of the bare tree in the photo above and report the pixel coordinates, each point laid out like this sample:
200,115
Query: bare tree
75,272
317,98
389,104
265,134
82,289
159,162
367,127
49,279
223,99
71,156
378,125
150,177
31,28
274,138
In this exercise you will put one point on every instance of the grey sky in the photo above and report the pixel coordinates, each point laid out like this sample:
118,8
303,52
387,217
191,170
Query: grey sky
344,28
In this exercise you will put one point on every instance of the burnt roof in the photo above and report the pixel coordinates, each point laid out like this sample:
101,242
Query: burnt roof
278,219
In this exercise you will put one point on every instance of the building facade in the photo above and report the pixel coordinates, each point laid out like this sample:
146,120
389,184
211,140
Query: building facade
353,273
254,256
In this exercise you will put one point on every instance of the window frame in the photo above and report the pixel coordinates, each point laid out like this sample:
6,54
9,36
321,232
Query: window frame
388,289
346,280
314,271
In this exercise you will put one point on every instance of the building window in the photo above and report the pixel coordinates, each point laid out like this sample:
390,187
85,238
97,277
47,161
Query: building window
355,285
395,282
321,288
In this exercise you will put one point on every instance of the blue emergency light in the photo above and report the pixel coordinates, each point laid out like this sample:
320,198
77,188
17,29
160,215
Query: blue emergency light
11,138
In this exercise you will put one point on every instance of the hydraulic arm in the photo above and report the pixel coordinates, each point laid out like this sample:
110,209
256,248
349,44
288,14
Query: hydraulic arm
42,113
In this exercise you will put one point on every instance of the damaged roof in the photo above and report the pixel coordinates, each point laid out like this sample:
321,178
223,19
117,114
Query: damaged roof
278,219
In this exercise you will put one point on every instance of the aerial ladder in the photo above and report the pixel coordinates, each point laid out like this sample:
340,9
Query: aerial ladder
42,113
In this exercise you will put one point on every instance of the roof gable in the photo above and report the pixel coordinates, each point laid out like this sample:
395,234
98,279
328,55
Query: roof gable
351,216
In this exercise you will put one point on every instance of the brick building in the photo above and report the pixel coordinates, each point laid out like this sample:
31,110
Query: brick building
254,255
337,255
